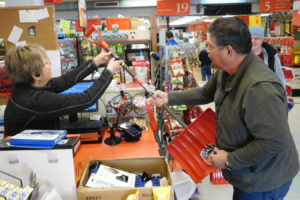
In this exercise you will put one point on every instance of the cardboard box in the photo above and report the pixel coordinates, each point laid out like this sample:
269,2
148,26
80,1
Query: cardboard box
153,165
135,22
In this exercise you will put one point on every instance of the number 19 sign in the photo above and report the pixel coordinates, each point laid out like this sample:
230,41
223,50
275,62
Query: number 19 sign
173,7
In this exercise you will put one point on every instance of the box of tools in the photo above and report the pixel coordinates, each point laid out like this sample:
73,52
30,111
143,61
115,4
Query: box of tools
118,170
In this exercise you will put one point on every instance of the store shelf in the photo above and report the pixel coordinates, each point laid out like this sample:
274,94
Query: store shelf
127,41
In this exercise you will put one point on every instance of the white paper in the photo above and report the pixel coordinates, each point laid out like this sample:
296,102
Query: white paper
107,177
119,87
54,58
21,43
15,35
53,195
43,13
28,16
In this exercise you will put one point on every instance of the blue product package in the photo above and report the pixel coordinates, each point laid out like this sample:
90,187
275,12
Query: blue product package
155,182
38,138
139,182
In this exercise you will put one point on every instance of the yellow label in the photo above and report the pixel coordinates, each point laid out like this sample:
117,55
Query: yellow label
64,25
254,20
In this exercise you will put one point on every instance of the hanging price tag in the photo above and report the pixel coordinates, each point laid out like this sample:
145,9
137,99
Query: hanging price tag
173,7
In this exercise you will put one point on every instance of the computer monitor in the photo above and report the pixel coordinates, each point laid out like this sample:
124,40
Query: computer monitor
80,87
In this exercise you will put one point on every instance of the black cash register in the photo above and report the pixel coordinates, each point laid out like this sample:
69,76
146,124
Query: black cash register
91,131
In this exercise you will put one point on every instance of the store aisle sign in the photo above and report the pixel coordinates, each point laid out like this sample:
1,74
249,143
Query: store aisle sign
296,13
275,6
173,7
52,1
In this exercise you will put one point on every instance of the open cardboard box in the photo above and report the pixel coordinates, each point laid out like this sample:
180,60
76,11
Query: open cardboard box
151,165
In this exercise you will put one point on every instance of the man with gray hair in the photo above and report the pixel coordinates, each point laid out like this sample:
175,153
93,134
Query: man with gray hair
255,148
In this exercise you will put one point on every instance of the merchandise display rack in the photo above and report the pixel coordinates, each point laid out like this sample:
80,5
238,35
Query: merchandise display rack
162,79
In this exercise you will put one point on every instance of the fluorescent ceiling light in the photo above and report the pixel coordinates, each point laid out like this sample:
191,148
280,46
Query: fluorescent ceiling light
264,14
209,20
2,3
185,20
228,16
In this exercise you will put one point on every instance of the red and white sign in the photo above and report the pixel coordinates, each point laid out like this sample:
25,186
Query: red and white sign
52,1
275,6
296,13
173,7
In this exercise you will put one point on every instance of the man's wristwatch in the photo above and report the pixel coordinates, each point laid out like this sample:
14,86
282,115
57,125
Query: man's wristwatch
227,165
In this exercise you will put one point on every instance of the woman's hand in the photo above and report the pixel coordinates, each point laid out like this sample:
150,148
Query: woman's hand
114,65
159,98
102,58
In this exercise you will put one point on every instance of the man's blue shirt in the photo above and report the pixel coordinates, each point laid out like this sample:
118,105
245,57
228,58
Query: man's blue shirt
170,42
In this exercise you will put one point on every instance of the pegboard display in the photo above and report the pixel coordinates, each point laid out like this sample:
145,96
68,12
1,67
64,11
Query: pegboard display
104,110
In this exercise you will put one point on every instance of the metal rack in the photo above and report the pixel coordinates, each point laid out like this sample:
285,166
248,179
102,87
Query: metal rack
162,75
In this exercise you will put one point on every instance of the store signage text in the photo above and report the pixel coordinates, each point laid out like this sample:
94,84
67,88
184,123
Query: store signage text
275,6
52,1
173,7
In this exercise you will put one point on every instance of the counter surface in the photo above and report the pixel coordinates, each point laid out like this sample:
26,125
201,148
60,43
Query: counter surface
145,147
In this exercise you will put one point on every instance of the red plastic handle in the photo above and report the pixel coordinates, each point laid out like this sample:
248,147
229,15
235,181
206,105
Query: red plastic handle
151,117
101,42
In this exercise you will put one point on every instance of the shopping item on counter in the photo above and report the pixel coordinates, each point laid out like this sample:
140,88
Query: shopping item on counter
161,193
133,196
37,138
107,177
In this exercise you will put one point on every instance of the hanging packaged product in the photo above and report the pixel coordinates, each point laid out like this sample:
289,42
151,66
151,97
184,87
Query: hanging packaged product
119,48
141,69
177,80
86,48
177,68
115,27
113,48
128,77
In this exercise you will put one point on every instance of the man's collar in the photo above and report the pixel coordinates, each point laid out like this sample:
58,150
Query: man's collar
231,81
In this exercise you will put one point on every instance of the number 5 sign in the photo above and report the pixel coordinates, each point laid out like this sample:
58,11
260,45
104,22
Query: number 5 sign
173,7
274,6
267,6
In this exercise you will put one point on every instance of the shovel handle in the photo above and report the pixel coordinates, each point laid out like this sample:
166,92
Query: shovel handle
104,45
178,119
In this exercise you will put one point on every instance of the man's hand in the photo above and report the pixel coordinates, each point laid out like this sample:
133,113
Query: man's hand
159,98
218,158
